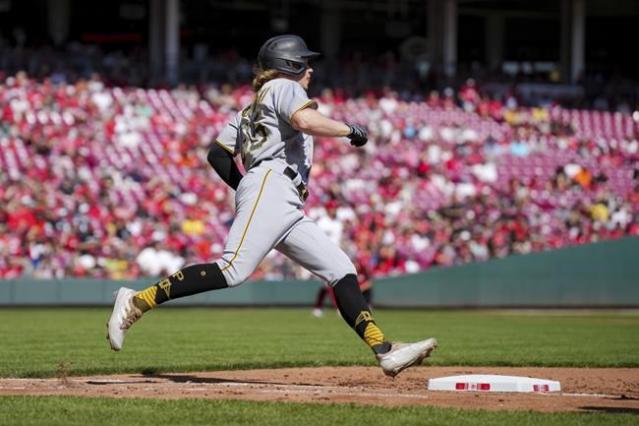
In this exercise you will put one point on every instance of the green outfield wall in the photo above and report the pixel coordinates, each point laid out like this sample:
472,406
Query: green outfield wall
598,275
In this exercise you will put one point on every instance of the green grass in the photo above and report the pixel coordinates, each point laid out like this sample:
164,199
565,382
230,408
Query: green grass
49,342
139,412
42,342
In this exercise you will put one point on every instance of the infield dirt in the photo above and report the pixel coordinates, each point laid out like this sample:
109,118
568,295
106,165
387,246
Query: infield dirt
583,389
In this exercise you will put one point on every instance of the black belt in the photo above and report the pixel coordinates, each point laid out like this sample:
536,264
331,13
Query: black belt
292,174
301,188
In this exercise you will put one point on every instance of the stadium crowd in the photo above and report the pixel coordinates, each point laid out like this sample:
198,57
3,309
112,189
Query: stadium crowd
100,181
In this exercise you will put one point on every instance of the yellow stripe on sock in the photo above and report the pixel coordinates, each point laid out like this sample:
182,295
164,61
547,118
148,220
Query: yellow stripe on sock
148,296
363,316
373,336
259,195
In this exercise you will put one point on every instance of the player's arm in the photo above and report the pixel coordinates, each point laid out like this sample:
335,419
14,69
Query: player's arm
222,152
224,165
313,123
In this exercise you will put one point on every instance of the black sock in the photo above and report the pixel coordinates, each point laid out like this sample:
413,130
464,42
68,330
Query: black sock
356,313
191,280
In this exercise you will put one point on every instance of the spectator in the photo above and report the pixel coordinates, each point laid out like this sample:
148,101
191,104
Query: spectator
100,181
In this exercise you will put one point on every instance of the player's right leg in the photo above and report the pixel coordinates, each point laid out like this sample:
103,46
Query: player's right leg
130,305
264,213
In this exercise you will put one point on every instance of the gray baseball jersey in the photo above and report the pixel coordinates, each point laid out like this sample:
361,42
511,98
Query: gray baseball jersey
269,210
262,131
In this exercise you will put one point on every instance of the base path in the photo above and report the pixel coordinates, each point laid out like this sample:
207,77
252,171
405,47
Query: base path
583,389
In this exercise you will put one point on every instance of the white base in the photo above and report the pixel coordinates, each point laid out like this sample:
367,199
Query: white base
493,383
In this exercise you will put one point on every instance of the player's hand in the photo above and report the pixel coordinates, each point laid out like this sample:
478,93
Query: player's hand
358,134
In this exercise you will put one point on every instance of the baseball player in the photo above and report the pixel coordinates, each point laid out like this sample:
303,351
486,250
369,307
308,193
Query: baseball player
274,137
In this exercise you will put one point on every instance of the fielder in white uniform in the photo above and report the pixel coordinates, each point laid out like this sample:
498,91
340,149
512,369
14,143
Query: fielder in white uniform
274,137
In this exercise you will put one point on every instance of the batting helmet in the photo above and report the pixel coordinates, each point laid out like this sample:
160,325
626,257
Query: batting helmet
285,53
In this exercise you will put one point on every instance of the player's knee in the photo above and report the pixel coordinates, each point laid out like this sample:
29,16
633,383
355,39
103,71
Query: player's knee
234,275
340,272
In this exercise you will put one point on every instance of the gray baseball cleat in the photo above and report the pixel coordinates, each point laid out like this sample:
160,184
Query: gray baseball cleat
404,355
124,314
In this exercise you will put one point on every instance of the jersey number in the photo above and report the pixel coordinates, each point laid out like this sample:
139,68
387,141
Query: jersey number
254,133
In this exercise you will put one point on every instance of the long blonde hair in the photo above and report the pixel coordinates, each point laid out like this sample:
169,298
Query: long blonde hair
262,77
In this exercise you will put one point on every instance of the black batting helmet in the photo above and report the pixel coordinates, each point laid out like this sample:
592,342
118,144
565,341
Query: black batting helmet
285,53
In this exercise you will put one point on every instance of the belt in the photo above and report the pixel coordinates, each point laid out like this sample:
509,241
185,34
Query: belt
301,188
292,175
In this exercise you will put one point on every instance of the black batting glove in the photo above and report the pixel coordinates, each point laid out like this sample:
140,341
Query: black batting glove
358,134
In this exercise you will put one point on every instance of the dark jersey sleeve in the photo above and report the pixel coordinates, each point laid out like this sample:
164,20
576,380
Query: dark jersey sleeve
222,151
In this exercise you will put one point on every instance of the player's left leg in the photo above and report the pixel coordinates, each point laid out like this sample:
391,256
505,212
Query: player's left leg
309,246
